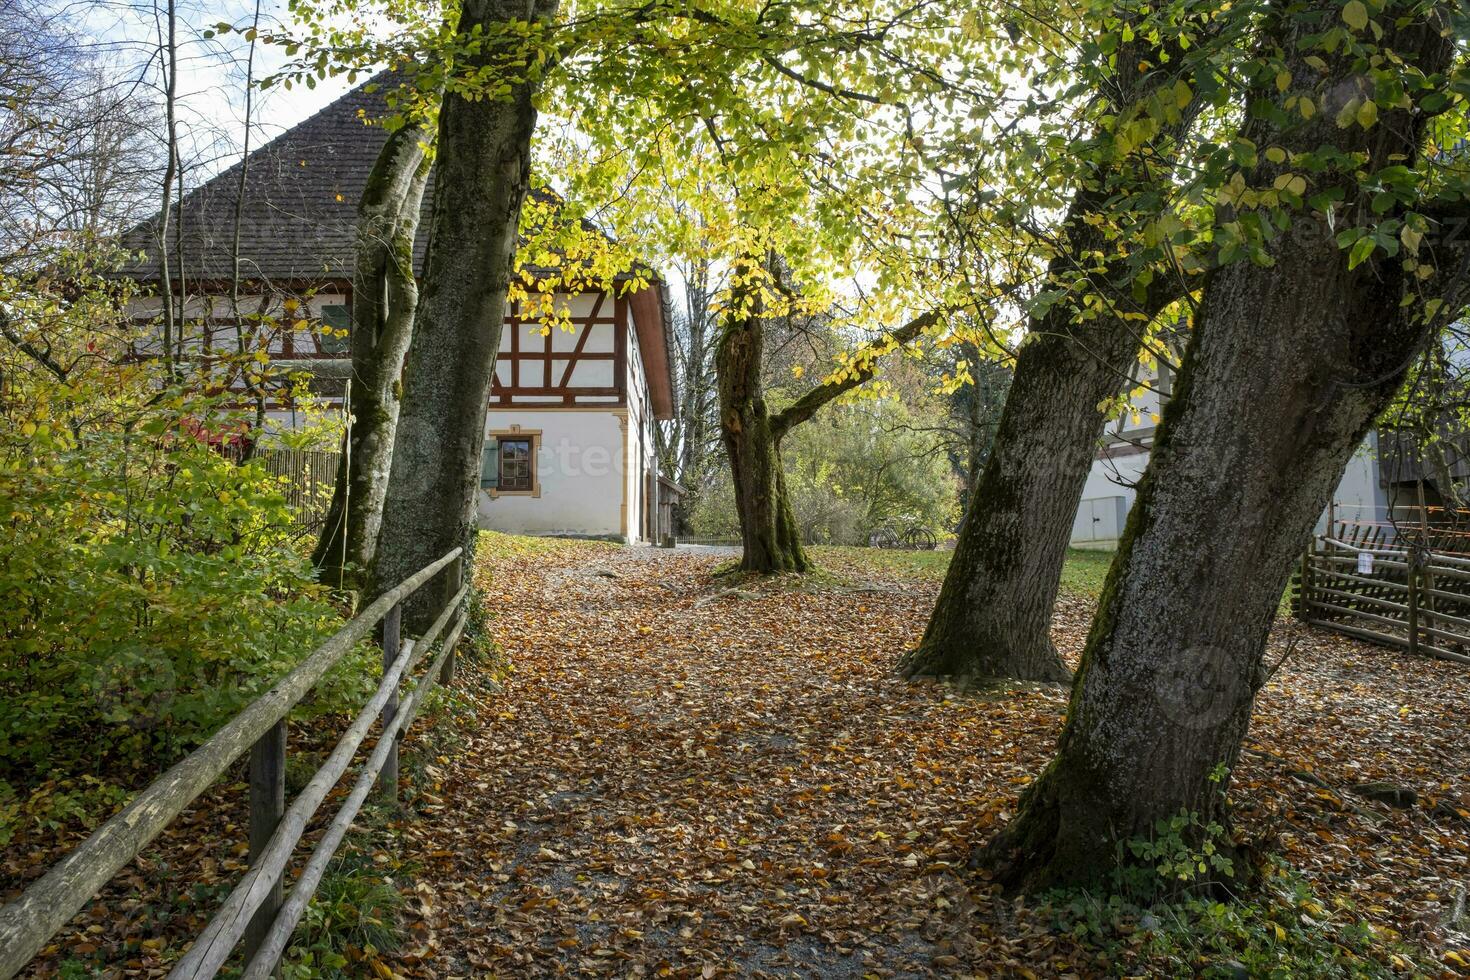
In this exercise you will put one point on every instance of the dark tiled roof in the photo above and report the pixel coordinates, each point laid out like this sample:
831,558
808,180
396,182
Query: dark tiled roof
298,223
301,194
300,203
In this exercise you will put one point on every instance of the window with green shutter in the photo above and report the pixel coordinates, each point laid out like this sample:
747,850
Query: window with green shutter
334,335
490,465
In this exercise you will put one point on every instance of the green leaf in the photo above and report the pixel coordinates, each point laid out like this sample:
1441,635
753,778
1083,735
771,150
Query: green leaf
1360,251
1434,102
1355,15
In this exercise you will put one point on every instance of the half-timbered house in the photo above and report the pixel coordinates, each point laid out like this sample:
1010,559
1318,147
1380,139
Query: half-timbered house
570,431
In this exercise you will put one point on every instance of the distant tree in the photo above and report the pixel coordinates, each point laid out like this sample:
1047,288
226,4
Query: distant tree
75,144
690,442
851,470
873,464
973,416
753,433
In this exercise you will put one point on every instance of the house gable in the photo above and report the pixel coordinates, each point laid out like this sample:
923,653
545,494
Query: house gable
298,236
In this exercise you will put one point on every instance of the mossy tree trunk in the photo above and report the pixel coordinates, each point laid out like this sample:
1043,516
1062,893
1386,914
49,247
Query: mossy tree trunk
481,175
768,531
384,301
1289,365
752,435
993,615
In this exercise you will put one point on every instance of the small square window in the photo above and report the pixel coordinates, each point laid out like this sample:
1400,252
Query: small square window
517,465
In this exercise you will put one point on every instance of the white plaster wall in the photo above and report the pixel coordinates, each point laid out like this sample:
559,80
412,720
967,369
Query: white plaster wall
580,467
1146,395
1358,496
1107,481
639,449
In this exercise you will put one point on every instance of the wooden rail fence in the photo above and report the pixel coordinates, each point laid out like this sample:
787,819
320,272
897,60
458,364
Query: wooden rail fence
257,910
1369,581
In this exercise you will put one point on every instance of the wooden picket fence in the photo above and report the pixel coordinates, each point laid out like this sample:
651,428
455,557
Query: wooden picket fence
309,474
258,911
309,477
1405,586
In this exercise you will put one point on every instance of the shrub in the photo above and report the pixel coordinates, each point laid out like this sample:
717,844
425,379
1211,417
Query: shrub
1277,929
1178,906
849,471
153,587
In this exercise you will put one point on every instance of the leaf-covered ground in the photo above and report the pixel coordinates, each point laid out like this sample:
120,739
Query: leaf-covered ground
692,776
689,774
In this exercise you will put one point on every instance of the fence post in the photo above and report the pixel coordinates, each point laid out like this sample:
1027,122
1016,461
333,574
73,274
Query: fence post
392,633
456,579
1425,565
267,806
1304,583
1413,564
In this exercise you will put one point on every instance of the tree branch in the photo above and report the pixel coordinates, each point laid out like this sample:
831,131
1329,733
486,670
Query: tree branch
865,367
41,356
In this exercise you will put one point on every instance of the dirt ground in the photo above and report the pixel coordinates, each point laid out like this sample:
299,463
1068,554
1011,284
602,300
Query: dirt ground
683,776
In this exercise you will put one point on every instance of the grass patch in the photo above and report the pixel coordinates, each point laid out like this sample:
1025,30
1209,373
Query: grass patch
1280,929
1082,572
351,919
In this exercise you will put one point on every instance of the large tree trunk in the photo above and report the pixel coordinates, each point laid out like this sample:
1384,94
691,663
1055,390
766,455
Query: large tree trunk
384,301
752,436
1288,367
767,525
993,616
481,176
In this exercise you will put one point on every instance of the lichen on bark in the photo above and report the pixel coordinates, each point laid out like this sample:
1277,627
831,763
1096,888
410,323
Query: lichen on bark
482,172
1290,363
384,301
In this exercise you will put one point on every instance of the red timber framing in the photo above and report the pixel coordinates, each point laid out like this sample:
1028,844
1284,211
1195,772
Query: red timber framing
540,374
531,360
